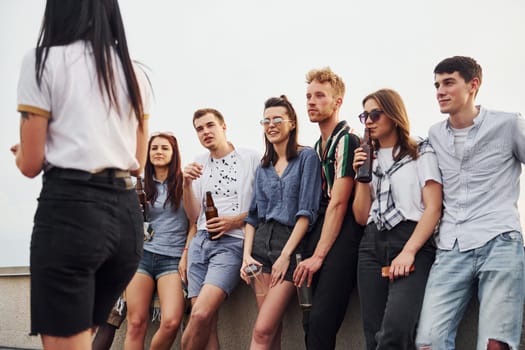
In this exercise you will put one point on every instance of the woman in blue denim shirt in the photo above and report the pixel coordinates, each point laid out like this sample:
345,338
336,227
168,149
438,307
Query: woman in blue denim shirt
284,207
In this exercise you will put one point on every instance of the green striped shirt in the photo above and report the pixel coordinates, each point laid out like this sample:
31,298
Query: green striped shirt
337,156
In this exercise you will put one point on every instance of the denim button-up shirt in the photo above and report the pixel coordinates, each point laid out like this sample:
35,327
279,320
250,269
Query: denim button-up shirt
296,193
481,189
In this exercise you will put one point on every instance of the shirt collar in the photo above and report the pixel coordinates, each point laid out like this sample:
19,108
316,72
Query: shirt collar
477,120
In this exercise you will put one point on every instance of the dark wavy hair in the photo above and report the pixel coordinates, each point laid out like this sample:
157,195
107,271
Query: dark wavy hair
174,179
270,156
99,23
466,67
393,107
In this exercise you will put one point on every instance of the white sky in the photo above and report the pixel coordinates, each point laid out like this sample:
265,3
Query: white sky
232,55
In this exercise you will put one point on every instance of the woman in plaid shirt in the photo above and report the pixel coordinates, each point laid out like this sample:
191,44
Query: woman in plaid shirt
400,207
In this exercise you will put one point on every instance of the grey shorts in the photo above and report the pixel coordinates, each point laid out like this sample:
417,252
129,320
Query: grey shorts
214,262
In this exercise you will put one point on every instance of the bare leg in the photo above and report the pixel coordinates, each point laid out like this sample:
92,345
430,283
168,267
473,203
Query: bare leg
172,309
268,326
79,341
496,345
202,324
213,340
138,298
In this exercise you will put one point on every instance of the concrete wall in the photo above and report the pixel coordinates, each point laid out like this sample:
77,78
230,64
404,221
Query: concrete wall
235,322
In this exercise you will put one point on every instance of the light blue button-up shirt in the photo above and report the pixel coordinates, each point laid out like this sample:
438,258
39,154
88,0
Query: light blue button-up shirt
296,193
482,188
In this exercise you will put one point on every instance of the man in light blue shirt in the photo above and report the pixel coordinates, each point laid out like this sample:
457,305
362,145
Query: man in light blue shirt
480,244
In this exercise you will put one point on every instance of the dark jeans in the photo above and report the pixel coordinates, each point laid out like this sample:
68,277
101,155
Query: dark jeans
332,284
390,310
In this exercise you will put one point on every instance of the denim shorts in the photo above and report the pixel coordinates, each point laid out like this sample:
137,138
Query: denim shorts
215,262
157,265
85,247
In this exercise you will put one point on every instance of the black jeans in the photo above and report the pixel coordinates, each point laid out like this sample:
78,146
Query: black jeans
390,310
332,284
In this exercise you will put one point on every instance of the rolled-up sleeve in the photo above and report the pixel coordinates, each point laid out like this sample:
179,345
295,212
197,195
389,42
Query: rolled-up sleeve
518,138
253,216
310,187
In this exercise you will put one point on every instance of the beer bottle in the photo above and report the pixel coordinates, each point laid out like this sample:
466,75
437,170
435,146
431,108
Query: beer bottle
142,198
210,210
364,172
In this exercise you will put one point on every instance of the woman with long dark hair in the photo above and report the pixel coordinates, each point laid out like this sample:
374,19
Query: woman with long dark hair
84,108
165,254
401,208
287,194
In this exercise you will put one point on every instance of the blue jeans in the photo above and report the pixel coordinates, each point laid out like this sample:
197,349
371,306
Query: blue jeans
497,268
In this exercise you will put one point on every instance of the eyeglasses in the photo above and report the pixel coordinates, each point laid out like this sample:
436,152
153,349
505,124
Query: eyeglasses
274,121
374,116
162,133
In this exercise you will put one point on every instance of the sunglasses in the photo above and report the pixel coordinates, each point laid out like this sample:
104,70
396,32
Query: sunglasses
275,121
161,133
374,116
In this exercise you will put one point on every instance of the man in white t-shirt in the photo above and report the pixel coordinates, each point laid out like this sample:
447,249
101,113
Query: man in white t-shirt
213,263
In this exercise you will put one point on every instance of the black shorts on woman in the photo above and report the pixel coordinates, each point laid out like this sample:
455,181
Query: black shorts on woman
85,247
268,243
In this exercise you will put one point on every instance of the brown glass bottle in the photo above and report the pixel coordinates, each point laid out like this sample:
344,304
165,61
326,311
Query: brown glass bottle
210,210
142,198
364,172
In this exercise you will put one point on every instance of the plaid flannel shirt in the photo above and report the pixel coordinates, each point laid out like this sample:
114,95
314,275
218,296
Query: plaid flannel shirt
384,211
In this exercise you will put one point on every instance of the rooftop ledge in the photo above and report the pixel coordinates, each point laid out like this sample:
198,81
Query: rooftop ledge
13,271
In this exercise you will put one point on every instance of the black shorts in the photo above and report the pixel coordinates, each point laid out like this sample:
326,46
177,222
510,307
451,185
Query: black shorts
85,247
268,243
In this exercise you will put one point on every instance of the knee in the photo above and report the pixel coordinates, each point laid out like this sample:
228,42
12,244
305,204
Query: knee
170,325
200,318
396,333
137,326
263,334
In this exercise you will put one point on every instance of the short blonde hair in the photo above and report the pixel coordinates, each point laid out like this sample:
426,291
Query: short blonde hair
325,75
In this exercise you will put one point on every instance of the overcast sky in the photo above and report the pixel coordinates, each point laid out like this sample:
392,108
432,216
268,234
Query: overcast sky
234,54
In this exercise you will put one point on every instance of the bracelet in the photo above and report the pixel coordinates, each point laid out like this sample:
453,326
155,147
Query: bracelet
185,248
